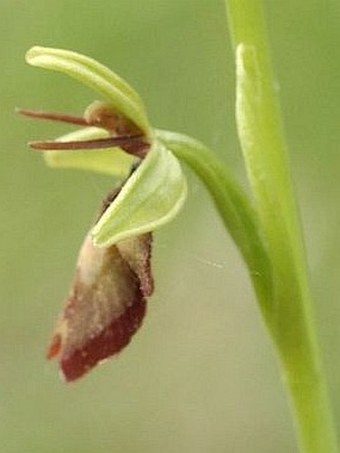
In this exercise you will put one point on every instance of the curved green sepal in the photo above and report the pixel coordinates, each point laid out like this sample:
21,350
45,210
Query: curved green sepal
151,197
112,161
96,76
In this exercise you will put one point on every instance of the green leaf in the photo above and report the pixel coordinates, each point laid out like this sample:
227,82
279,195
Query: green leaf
112,161
96,76
151,197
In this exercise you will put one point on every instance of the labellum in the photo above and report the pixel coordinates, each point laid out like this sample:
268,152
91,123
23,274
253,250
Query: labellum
105,306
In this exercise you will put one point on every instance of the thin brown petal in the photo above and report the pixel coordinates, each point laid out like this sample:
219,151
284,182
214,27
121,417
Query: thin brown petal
53,116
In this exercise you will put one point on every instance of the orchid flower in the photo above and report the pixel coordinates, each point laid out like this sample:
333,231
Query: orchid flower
107,300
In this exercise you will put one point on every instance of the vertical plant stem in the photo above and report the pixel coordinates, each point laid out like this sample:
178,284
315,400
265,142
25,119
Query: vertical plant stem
290,317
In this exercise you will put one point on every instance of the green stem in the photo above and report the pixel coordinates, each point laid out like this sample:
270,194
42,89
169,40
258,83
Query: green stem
291,321
232,204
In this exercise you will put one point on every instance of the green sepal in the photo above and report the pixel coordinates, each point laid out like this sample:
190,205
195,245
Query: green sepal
112,161
97,77
150,198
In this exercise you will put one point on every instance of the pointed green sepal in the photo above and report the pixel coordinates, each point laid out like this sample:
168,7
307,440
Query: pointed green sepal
97,77
112,161
151,197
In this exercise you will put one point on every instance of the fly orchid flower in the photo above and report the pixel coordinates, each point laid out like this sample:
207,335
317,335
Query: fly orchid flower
107,300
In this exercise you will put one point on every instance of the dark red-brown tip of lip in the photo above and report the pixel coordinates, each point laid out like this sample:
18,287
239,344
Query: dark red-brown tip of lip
109,342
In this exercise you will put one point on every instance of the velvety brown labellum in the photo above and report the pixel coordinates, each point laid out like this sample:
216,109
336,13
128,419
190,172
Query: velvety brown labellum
105,306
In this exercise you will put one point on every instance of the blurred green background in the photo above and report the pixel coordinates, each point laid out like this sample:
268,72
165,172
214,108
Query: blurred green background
201,375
